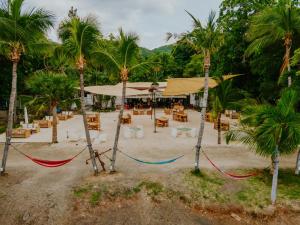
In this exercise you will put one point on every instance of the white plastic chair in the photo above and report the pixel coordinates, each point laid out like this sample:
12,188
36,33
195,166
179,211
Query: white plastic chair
127,133
193,132
140,134
174,132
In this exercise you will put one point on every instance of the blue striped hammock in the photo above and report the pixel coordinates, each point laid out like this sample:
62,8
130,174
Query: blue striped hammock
153,163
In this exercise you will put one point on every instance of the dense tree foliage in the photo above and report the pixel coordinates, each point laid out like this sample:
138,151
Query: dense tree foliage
261,71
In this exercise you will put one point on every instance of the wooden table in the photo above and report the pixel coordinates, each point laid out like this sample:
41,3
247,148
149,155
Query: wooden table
162,122
181,117
126,119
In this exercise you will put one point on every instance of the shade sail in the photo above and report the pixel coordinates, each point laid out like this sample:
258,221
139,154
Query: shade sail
186,86
133,89
113,90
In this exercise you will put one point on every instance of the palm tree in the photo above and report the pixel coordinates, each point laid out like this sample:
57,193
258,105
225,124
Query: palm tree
205,40
52,89
79,37
224,96
120,58
271,130
273,24
21,31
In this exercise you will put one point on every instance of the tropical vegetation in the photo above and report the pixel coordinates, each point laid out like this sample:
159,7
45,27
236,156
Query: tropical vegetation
256,38
271,130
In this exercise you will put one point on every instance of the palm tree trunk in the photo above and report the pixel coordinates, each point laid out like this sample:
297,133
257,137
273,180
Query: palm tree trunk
288,45
275,176
219,127
297,171
54,128
202,122
115,148
9,128
87,133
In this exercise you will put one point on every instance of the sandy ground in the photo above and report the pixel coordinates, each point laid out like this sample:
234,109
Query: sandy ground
31,194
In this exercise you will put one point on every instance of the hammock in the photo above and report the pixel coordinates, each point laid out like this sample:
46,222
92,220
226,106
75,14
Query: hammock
152,163
49,163
230,175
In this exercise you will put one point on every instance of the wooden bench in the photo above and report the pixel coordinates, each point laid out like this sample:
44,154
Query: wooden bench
62,116
181,117
167,111
224,125
209,117
21,133
44,123
93,121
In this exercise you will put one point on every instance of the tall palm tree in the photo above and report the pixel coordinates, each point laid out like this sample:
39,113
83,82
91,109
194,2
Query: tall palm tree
271,130
79,37
120,58
223,96
52,89
21,31
205,40
273,24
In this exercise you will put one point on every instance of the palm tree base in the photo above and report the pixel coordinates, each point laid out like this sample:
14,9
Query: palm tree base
4,174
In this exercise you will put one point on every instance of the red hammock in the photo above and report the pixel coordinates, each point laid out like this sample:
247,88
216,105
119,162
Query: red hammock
230,175
49,163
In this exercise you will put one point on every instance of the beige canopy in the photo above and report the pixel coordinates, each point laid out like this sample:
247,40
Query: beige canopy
114,90
186,86
133,89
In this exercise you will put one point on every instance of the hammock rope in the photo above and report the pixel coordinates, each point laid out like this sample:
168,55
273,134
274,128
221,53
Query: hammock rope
151,163
229,175
49,163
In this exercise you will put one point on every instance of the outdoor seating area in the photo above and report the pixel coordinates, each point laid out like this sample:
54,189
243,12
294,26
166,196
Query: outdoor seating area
93,121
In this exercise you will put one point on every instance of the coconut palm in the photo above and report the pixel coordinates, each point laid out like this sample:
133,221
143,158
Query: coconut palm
273,24
204,40
120,58
79,37
223,96
21,32
271,130
52,89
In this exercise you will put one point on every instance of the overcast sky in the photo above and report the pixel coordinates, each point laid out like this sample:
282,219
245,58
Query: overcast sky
150,19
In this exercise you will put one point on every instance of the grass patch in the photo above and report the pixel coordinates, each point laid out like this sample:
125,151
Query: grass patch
95,198
79,192
253,193
205,186
153,188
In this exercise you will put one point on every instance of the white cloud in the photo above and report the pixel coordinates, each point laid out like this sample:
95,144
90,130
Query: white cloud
151,19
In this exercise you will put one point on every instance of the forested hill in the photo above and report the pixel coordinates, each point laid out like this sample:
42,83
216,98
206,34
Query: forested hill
165,48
